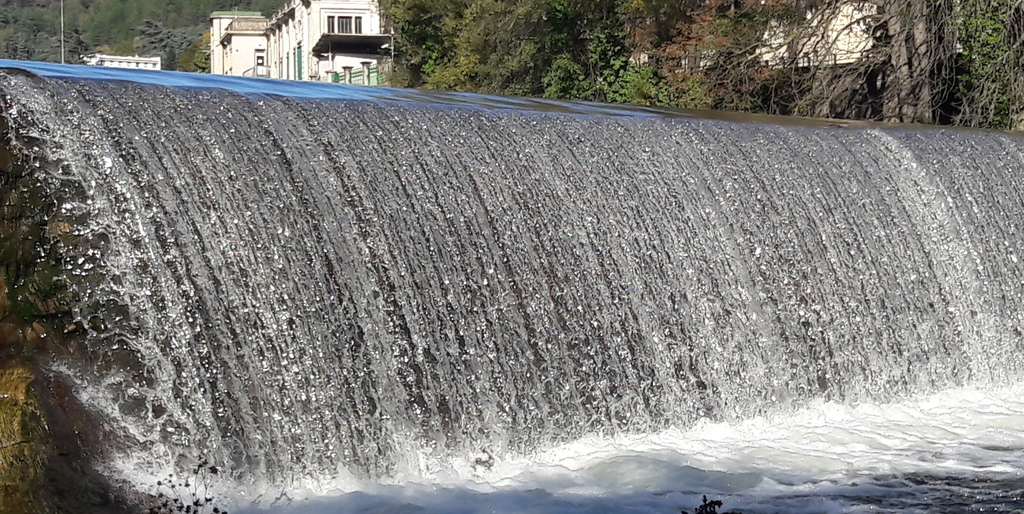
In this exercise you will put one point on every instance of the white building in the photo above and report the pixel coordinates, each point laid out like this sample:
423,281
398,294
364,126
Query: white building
321,40
237,44
123,61
834,36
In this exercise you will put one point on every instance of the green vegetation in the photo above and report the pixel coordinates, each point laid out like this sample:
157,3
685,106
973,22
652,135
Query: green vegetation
949,61
991,49
196,56
931,61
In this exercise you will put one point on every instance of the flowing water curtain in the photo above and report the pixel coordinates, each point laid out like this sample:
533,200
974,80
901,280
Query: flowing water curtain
399,286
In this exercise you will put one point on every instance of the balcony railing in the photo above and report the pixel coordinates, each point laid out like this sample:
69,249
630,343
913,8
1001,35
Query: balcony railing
356,77
257,71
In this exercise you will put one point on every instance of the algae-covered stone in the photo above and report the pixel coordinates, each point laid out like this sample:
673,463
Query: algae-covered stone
5,303
22,443
11,340
44,468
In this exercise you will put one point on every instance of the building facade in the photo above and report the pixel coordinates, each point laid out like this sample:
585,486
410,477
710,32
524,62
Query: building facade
133,62
318,40
836,36
237,44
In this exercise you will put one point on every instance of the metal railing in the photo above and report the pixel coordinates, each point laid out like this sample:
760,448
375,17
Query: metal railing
257,71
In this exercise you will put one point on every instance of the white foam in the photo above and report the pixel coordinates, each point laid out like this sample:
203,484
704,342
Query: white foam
903,457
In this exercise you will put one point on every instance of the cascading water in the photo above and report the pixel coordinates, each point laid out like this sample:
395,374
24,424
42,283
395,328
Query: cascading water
290,281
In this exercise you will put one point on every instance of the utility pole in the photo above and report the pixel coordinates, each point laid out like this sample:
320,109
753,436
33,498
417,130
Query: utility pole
62,31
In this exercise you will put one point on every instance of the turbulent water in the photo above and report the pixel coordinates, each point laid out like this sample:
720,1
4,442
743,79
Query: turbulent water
301,282
958,452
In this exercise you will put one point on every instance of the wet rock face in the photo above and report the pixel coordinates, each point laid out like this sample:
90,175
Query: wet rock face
44,460
24,442
45,433
17,234
5,304
35,298
21,439
10,339
29,253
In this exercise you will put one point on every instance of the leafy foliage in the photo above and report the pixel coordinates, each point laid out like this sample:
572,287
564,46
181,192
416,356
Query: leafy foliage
197,56
169,44
989,84
945,61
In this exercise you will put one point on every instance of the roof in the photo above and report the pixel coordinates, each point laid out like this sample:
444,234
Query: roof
354,43
235,14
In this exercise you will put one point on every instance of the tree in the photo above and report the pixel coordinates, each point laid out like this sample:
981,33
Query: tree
425,31
918,38
554,48
989,84
196,57
924,61
717,55
495,50
28,27
155,40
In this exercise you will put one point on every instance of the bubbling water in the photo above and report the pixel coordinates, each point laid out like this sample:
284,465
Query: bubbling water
958,451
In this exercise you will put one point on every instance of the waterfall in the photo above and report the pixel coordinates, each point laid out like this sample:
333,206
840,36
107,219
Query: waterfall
292,284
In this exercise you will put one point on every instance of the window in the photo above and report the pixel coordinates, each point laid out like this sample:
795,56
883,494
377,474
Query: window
344,25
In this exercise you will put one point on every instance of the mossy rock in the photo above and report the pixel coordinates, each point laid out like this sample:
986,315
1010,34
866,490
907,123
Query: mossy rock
5,303
48,439
23,443
43,467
